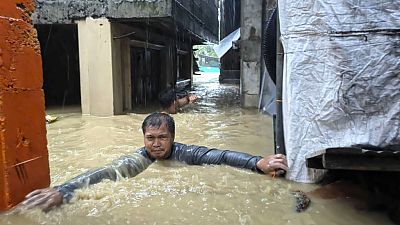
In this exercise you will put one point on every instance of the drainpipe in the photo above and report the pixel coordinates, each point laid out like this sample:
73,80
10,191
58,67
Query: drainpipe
279,138
273,58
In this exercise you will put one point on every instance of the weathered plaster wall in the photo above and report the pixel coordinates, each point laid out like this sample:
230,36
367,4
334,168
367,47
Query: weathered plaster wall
23,159
66,11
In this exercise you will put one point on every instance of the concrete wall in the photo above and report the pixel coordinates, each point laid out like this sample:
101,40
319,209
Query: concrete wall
96,67
250,50
23,146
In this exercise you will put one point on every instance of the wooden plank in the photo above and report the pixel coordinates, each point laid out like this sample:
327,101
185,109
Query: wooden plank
360,162
316,154
137,43
344,150
359,151
382,153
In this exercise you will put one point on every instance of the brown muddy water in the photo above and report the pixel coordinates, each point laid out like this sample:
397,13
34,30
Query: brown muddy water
174,193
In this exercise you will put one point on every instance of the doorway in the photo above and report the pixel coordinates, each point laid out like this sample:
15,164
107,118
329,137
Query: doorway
146,76
60,60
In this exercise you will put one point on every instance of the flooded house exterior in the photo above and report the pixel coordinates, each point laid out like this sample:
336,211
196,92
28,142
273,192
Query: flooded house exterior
111,56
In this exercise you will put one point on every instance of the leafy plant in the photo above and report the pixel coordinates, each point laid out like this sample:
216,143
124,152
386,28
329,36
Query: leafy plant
206,50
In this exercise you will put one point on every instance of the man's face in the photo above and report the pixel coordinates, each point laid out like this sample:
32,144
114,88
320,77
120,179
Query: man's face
158,141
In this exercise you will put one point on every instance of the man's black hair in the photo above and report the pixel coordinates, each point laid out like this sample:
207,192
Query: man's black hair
157,119
167,98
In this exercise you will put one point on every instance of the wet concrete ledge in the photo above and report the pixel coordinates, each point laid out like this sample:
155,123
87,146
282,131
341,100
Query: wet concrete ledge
198,17
66,11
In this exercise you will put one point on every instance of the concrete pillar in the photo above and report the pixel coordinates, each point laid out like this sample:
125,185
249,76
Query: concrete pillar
24,162
250,50
96,66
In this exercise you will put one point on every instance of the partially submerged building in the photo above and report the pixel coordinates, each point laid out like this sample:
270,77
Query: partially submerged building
112,56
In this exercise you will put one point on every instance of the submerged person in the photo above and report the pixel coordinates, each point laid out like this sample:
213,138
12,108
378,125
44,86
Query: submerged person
159,133
171,101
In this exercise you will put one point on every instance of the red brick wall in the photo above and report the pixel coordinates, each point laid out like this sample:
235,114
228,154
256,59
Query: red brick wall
23,145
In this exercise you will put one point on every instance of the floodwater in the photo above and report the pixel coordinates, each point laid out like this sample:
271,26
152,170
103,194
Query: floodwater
174,193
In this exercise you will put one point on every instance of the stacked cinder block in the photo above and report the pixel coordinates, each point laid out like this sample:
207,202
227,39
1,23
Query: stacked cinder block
23,151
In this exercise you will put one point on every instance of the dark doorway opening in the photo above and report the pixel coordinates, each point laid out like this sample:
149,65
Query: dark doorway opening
60,59
146,75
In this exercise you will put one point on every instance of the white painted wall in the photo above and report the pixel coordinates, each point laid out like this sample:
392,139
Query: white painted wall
96,73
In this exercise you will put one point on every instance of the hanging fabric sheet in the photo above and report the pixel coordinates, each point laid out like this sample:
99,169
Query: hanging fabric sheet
341,77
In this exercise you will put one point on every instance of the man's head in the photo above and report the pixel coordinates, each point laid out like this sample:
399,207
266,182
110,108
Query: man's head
159,134
168,102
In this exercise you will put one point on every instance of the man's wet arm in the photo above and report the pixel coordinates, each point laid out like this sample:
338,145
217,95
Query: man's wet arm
124,167
203,155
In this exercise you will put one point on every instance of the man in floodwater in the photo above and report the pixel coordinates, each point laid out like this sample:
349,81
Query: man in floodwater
159,133
171,101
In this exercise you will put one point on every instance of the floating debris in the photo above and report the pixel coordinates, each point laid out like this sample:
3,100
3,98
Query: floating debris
51,119
302,201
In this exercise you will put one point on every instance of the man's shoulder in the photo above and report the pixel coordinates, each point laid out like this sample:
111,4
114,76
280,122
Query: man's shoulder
143,152
180,147
177,145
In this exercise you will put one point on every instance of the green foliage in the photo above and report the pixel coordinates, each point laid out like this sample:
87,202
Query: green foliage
206,50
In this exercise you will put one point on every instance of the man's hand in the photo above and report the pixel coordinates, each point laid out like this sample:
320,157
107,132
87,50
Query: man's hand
46,199
276,164
192,98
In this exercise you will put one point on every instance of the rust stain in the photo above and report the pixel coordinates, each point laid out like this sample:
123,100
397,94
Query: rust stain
22,141
1,59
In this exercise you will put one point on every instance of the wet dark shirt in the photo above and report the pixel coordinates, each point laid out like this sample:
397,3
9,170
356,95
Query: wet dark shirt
129,166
